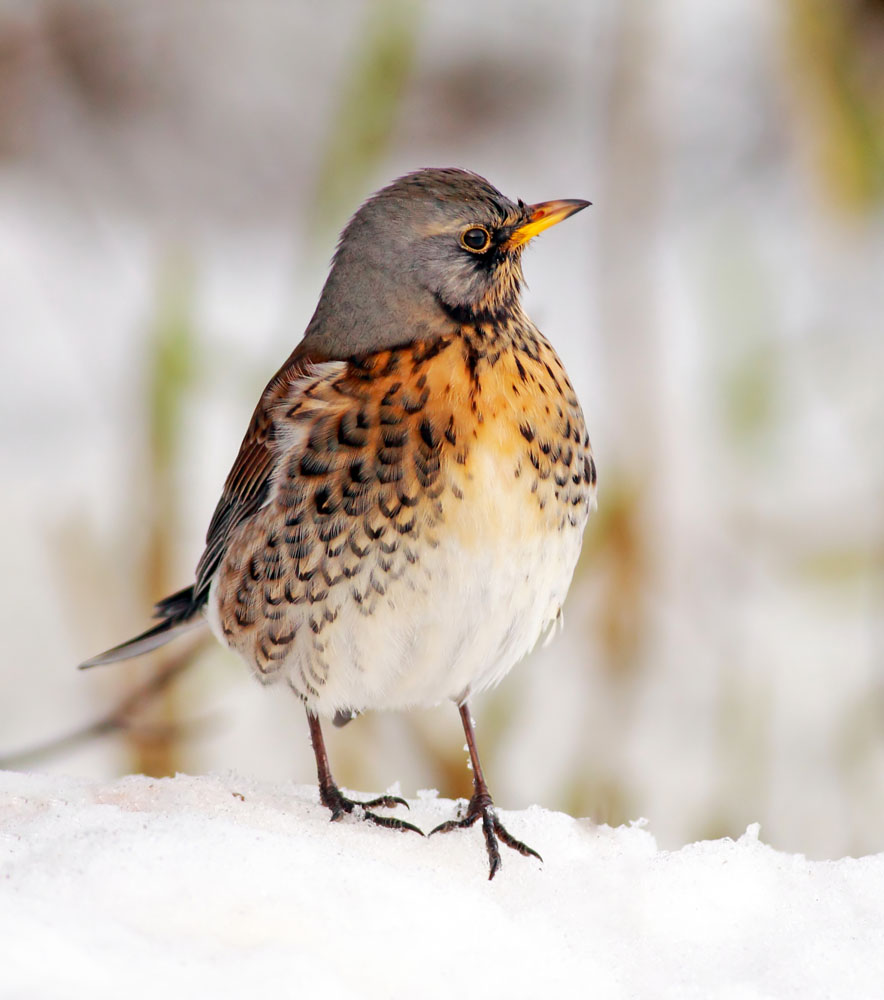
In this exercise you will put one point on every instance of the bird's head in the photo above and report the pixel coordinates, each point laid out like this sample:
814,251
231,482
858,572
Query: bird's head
435,247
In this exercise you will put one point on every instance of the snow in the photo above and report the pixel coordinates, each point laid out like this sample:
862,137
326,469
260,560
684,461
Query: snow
221,886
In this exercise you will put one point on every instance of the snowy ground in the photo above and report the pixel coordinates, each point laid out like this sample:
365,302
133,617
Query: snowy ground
223,887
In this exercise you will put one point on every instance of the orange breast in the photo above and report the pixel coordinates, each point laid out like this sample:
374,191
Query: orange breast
515,442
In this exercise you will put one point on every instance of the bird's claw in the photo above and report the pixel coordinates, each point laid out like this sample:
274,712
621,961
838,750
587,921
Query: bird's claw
493,830
335,800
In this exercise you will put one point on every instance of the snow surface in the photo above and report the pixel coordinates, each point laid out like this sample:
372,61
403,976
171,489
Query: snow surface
223,887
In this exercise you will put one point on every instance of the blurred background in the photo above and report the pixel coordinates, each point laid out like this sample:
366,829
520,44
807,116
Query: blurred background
172,181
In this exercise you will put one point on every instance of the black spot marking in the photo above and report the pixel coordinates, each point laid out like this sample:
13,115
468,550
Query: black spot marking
358,471
373,533
284,639
390,473
269,599
425,350
412,405
349,433
313,464
428,435
274,570
389,512
329,530
356,549
390,394
394,438
324,501
450,433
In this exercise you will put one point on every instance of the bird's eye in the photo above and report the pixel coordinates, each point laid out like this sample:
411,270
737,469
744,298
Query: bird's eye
475,239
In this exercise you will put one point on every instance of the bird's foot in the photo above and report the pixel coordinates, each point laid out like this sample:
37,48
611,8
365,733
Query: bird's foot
481,807
334,799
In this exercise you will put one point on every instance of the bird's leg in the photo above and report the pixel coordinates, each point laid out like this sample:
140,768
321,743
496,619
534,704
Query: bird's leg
332,797
482,807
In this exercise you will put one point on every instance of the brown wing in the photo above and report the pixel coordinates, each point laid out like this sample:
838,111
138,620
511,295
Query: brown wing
353,500
249,480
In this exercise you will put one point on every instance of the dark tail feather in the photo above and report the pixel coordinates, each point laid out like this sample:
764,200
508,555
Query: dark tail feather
177,606
180,614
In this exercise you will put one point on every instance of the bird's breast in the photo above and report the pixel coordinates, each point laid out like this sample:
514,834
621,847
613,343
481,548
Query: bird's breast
422,530
526,456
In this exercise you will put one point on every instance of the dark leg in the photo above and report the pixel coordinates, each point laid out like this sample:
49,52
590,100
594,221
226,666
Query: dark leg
332,797
481,807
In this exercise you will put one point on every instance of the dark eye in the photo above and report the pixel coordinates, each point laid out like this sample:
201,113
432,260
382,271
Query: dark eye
475,239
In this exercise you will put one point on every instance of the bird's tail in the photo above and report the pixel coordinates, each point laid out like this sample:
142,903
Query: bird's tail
179,612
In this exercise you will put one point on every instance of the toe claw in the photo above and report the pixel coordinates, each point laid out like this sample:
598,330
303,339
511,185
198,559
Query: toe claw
494,865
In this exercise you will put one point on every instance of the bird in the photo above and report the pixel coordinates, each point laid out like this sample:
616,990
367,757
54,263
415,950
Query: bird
406,511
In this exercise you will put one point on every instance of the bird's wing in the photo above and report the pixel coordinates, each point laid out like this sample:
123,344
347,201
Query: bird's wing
249,482
354,499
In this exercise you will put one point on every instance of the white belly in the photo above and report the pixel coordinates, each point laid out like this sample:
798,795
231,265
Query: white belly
455,631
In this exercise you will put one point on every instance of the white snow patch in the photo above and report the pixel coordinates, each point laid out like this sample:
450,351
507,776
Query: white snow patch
224,887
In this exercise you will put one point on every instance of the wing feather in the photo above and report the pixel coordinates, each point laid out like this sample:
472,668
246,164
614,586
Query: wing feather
250,480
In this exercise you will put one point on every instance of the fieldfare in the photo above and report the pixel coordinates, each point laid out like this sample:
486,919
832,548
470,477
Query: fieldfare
405,513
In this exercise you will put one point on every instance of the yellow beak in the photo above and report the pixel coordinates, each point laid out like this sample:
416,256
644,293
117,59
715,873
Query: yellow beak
544,215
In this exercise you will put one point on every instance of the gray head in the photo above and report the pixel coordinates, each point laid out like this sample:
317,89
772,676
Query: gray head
432,249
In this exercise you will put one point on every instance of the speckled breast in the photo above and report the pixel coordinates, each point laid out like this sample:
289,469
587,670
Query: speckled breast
423,525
